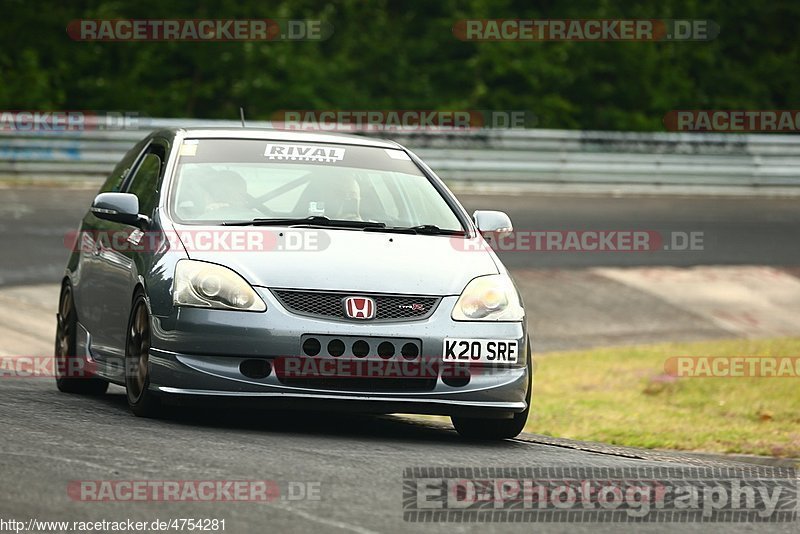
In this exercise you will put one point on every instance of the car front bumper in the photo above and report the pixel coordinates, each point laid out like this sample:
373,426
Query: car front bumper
197,354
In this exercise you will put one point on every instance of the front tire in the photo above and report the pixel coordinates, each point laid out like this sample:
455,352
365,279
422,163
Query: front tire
67,363
496,429
141,400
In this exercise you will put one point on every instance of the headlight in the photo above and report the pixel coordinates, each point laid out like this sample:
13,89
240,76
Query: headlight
207,285
489,298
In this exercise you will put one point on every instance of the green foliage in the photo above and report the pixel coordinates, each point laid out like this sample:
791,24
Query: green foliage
389,54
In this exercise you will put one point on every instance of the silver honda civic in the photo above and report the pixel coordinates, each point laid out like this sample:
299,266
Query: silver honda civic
292,270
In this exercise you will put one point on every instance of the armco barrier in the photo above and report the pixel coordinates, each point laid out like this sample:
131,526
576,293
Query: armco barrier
478,156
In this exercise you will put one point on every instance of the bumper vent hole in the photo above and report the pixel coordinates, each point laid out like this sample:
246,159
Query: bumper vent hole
256,369
409,351
456,377
360,348
311,346
386,350
336,347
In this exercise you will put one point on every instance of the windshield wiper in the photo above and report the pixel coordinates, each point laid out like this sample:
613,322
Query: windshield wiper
427,229
313,220
320,220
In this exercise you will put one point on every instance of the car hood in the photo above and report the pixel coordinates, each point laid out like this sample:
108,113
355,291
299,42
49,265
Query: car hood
346,260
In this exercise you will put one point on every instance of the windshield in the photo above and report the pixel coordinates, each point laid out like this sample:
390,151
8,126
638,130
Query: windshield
233,180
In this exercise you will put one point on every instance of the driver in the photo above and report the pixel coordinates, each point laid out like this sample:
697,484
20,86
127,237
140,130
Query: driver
336,198
350,207
226,190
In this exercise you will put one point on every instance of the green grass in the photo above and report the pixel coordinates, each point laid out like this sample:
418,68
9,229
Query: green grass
623,396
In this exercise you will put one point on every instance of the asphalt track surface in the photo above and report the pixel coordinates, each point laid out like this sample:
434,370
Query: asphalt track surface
357,462
736,231
49,439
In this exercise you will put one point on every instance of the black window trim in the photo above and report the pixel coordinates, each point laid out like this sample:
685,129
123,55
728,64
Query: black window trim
159,142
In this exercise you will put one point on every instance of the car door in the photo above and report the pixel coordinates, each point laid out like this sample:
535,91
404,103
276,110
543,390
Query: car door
88,266
116,274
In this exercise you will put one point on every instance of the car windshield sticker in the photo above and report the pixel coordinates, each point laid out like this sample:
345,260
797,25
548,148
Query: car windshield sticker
397,154
324,154
189,147
316,208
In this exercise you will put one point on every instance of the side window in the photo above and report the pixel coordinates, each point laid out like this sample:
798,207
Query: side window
145,182
120,172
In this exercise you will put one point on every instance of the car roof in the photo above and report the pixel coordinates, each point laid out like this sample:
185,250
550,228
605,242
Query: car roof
269,134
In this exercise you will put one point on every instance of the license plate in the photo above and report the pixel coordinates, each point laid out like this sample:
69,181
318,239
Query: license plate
480,350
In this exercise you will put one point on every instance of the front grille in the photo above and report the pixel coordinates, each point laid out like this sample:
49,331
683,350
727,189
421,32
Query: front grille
331,304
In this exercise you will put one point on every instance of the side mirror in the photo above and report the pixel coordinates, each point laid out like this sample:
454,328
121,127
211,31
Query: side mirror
493,221
118,207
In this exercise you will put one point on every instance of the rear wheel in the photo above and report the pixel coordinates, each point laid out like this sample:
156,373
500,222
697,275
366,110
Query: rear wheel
494,429
71,373
141,400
